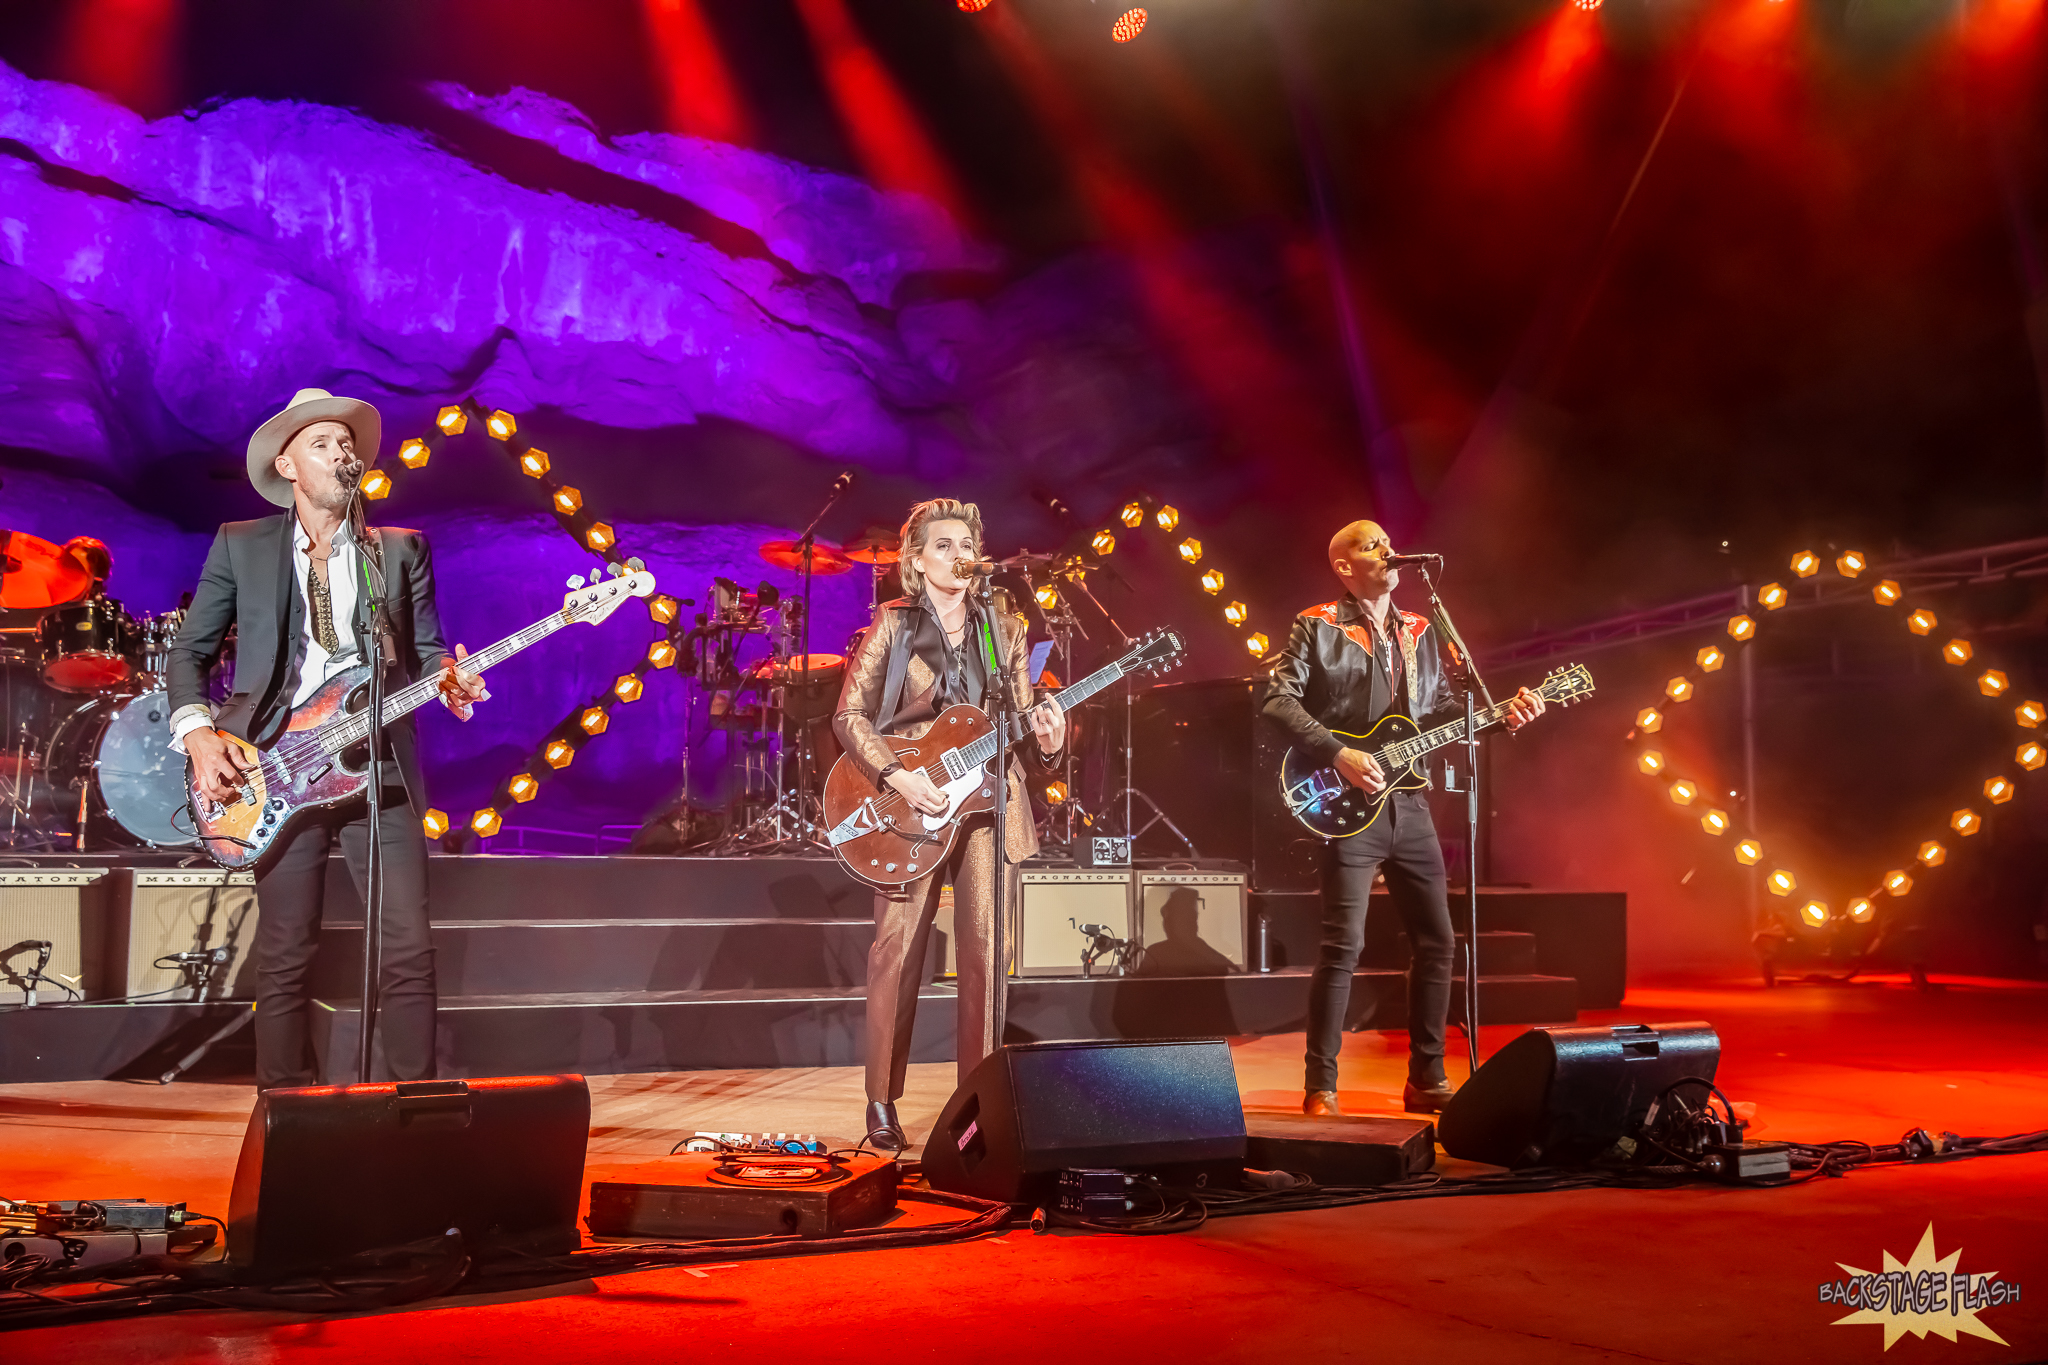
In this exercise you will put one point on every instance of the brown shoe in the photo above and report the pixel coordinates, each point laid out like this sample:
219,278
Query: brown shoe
1321,1104
1416,1100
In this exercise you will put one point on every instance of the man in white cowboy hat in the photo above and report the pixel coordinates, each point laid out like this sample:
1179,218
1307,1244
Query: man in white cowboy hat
294,587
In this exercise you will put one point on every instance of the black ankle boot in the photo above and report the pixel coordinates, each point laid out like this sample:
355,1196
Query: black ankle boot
885,1134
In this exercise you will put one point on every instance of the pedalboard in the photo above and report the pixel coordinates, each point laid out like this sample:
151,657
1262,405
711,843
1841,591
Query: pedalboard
698,1196
1748,1163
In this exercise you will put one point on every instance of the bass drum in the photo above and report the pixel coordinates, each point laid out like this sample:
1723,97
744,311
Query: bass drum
118,749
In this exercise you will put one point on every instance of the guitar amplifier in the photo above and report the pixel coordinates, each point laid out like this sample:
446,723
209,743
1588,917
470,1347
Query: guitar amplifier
1191,923
1048,941
67,909
158,912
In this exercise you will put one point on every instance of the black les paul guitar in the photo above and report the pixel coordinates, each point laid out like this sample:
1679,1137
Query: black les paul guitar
1330,806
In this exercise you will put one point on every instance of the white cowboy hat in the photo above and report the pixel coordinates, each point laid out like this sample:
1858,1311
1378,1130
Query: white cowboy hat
307,407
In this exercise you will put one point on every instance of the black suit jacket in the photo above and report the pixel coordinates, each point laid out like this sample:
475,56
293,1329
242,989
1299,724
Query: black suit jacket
1329,677
249,583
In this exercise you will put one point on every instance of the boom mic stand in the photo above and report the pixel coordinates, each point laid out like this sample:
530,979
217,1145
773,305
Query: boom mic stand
806,828
1002,707
381,650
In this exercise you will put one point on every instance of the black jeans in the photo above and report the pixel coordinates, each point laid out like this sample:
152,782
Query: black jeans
288,900
1402,843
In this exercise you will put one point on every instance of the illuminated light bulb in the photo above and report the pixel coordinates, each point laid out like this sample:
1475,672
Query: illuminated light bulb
1715,821
1849,563
1966,822
559,753
1047,595
594,720
501,425
1957,652
1257,644
486,822
413,453
1103,543
1191,550
1167,518
1748,852
523,787
534,463
435,823
2031,755
1055,792
1773,596
1133,515
1741,627
1236,613
628,687
2030,714
452,420
1683,791
1922,621
1212,581
663,608
568,501
1886,593
1649,720
1993,683
1586,4
376,484
599,537
1814,913
1997,790
1128,25
1711,658
1806,563
1932,854
1679,689
1896,882
973,6
1651,762
1862,910
1782,883
661,654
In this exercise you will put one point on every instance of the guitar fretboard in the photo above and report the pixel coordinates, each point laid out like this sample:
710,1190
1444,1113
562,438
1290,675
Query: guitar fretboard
354,729
989,745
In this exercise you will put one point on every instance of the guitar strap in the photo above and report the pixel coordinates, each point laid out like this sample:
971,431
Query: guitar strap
1411,636
899,668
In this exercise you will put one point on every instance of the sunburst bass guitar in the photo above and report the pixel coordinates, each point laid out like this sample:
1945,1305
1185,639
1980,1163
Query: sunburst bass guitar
1330,806
322,758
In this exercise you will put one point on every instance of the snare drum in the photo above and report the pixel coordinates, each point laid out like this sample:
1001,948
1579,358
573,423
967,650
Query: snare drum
88,646
804,698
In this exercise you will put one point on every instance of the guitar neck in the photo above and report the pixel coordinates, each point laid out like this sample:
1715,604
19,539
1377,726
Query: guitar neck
988,746
355,728
1403,752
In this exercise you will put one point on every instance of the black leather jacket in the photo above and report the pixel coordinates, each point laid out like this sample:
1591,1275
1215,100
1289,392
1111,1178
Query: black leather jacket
1329,677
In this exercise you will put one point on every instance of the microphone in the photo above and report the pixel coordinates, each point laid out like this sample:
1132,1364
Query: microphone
841,484
974,568
1403,561
350,472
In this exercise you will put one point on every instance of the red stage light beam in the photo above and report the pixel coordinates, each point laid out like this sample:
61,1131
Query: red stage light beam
126,49
698,91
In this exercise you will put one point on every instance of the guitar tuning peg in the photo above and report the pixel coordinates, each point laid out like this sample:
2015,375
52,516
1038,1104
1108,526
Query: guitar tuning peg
575,581
615,568
637,564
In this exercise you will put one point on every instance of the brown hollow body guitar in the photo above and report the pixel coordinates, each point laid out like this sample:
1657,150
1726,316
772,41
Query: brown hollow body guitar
322,758
885,841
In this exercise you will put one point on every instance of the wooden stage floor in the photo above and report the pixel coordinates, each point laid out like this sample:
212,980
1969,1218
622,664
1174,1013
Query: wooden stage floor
1697,1274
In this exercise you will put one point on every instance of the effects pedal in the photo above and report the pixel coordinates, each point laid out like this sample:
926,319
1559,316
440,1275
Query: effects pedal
1747,1163
743,1144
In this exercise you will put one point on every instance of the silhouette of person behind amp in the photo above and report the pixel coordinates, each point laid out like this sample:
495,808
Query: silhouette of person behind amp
1182,952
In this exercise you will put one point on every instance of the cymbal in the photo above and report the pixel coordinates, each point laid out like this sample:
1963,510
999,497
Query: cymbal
788,554
1029,559
38,574
876,545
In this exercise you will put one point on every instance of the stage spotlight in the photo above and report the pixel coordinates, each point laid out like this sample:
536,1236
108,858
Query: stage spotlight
1711,658
1932,854
452,420
1815,913
1957,652
1236,613
1128,25
1782,883
1997,790
1886,594
2031,755
661,654
1850,563
568,501
413,453
973,6
501,425
2030,714
1922,621
1133,515
1649,720
1191,550
1168,517
1966,822
599,537
1651,762
1992,683
376,484
523,787
594,720
1586,4
1748,852
1104,543
1683,791
1212,581
1678,689
1257,644
435,823
559,753
1741,627
1055,793
663,608
628,687
486,822
534,462
1862,910
1897,882
1773,596
1715,821
1046,595
1806,563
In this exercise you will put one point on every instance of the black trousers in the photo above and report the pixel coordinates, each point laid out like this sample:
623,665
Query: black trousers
288,901
1402,843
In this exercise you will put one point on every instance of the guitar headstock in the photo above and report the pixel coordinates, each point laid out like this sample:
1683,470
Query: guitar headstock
603,596
1568,684
1158,653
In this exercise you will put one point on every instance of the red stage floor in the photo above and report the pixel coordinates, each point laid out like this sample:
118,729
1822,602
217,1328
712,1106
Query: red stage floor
1697,1274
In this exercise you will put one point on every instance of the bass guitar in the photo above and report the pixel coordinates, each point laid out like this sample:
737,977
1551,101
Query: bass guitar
885,841
1332,807
322,759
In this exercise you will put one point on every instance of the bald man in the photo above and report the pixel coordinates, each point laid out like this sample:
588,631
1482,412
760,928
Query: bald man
1347,665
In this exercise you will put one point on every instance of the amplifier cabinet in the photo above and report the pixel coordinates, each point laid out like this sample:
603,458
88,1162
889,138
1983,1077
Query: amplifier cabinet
160,911
1047,941
1191,923
68,909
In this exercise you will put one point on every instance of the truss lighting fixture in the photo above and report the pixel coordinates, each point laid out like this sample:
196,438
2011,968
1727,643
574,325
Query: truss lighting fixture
1782,883
663,608
1047,595
1966,822
599,537
1932,854
1806,563
2031,755
1649,720
1922,621
1236,613
1997,790
1133,515
628,687
559,753
1168,518
1257,644
376,484
435,823
1957,652
661,654
534,462
1212,581
568,501
1711,658
1773,596
1679,688
523,787
1741,627
1651,762
1862,910
1104,543
1715,821
502,425
1055,793
1683,791
1886,593
1850,563
413,453
1748,852
1191,550
1993,683
1128,25
452,420
2030,714
1814,913
594,720
1896,882
486,822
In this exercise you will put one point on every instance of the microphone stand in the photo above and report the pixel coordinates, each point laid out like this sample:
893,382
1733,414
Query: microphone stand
806,830
1002,705
1475,689
378,643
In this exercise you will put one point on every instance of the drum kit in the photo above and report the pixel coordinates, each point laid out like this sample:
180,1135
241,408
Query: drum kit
87,760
